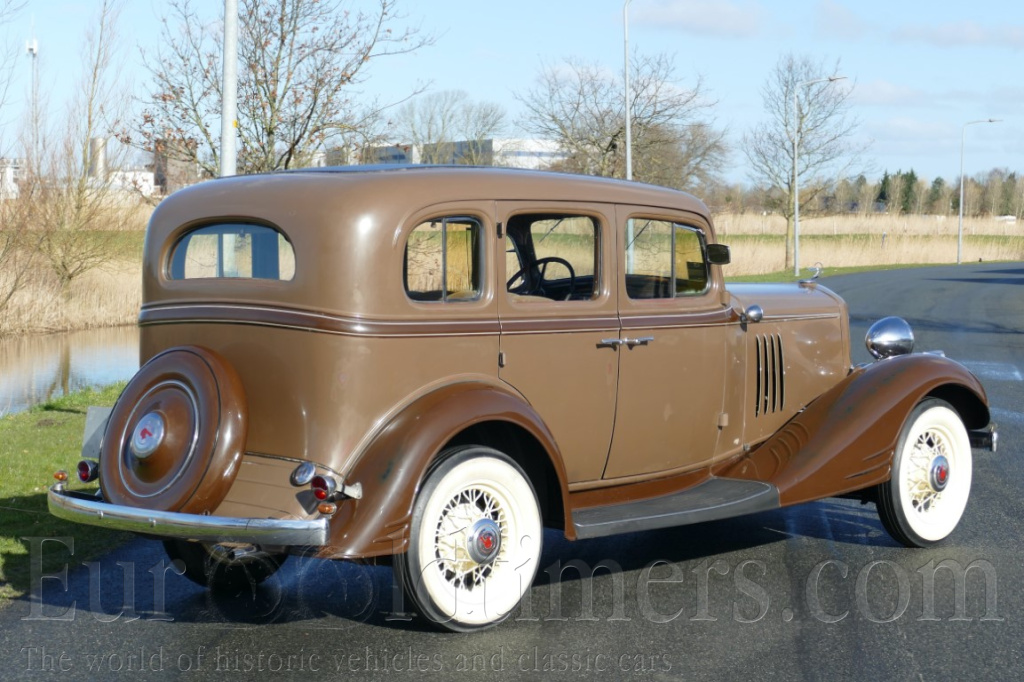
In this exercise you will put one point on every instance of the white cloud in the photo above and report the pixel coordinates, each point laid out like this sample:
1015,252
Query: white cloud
963,34
910,132
835,20
884,93
1007,96
728,19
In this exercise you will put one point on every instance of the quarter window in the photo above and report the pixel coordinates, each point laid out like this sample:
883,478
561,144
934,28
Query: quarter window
233,250
442,260
664,259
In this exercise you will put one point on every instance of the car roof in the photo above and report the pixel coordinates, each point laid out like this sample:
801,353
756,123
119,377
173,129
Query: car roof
512,183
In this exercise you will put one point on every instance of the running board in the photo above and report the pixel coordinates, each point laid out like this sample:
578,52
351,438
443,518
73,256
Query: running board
716,498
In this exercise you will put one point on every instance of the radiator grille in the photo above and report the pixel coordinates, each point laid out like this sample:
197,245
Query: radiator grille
770,394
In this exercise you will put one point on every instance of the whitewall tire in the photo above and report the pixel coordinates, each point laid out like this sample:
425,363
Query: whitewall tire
475,540
931,476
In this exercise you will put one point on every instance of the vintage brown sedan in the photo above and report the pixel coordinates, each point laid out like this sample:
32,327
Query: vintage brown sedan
434,364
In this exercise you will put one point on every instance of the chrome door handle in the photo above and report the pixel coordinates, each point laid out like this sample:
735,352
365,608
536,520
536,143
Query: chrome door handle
610,343
639,341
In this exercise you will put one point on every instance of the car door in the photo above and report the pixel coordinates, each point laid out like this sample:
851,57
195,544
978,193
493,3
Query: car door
557,307
677,339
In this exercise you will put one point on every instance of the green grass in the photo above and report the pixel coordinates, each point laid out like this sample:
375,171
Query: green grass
33,445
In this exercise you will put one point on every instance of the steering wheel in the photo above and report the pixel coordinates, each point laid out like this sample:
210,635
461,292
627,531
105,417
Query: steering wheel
536,286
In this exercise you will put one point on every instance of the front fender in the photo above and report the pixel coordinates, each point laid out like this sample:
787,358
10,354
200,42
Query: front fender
392,467
844,440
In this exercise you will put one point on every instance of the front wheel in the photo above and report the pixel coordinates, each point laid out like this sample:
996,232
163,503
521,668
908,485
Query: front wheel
475,540
931,476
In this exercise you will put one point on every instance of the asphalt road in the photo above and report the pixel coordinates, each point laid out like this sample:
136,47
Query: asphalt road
814,592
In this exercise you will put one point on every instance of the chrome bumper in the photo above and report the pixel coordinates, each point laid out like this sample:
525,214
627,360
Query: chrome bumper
80,508
986,438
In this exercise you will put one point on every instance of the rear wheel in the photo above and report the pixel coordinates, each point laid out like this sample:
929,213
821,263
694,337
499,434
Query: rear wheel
227,568
931,476
475,540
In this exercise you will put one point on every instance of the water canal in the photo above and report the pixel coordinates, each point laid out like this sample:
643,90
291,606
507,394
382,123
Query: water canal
34,369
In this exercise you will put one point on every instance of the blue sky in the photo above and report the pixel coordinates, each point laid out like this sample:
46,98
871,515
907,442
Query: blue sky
919,70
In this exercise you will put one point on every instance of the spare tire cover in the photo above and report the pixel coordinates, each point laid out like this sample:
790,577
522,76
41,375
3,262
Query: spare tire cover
175,438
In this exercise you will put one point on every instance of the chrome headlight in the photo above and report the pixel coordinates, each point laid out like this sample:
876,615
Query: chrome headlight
889,337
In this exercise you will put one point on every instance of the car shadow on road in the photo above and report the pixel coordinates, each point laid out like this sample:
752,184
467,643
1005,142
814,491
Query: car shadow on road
842,521
138,582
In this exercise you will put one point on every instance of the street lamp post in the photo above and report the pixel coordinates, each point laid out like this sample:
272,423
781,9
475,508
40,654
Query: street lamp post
960,222
625,48
229,90
796,173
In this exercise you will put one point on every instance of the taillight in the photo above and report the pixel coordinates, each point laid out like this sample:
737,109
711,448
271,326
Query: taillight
323,487
88,471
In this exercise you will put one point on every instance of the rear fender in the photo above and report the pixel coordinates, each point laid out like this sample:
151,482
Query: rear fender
393,466
844,441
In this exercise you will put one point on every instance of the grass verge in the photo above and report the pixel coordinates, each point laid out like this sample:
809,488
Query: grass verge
33,445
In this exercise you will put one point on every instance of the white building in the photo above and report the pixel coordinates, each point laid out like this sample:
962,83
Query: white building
401,154
507,152
134,182
523,153
10,169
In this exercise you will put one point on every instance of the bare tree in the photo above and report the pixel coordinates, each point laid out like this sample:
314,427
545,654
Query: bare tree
867,196
298,63
77,205
1018,197
8,55
14,253
434,123
819,119
579,105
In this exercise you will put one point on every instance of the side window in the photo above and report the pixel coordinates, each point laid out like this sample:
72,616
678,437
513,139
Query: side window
236,251
442,260
664,259
553,257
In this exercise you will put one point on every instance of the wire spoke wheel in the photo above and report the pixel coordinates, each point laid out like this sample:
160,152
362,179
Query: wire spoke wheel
474,541
931,476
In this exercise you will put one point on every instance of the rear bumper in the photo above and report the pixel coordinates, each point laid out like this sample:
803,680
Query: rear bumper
89,510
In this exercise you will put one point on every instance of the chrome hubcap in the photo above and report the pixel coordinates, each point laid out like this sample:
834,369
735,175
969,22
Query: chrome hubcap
938,476
484,541
148,435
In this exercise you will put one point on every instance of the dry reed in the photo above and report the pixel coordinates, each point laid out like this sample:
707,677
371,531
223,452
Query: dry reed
758,241
850,224
106,297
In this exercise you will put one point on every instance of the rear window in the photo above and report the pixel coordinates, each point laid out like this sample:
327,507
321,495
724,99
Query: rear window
233,250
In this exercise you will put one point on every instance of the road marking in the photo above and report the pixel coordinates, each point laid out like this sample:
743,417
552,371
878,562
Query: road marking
996,371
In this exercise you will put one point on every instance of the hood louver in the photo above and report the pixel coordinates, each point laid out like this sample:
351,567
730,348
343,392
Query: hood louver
770,379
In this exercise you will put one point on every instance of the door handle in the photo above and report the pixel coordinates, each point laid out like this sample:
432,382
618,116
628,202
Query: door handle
639,341
612,343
